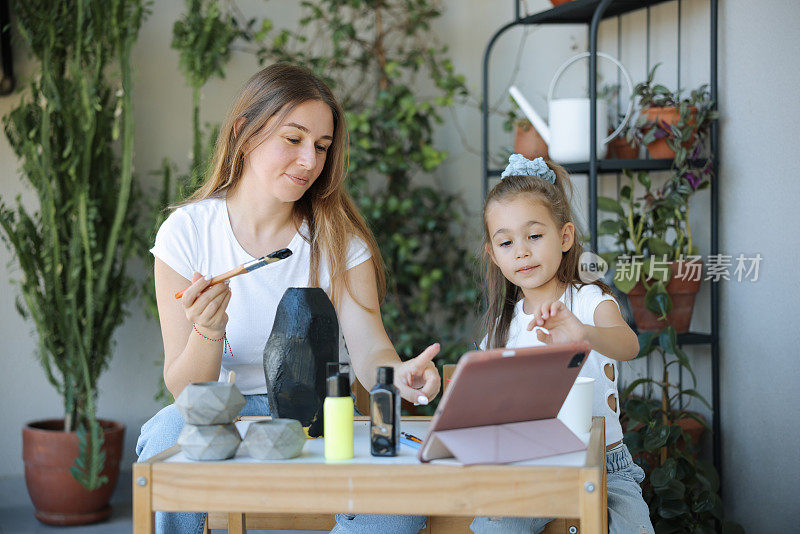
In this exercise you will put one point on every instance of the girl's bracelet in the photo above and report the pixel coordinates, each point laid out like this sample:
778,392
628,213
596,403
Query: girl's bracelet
226,346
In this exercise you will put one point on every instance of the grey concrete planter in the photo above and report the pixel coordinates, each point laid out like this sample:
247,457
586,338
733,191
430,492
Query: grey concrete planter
210,403
278,439
209,442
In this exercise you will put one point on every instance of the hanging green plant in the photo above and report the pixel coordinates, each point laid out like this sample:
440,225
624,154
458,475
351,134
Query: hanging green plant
375,56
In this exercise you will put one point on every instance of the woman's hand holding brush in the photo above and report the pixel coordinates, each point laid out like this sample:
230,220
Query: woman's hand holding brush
205,304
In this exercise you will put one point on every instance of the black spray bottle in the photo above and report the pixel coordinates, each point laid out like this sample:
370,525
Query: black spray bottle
384,415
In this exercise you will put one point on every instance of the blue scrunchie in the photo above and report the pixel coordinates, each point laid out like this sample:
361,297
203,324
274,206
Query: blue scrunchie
519,165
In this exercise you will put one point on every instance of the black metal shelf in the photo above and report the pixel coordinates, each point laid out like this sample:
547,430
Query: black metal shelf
690,338
582,11
613,166
590,13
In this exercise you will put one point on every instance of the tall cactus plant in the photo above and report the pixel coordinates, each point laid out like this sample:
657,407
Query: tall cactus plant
73,134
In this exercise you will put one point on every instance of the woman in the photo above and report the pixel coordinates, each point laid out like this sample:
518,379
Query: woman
277,180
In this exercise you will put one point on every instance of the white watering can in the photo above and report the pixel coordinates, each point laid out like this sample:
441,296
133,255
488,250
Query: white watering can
567,137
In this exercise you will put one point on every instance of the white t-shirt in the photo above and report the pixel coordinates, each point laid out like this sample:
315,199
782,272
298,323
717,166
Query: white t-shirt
198,237
582,302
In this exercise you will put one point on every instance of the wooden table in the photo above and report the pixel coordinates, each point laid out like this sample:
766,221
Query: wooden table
569,485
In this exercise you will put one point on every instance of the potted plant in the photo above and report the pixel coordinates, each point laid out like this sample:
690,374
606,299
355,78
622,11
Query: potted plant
653,244
669,123
527,140
619,147
663,436
73,135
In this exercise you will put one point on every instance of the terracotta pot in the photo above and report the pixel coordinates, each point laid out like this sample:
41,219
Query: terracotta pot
665,116
48,453
619,148
682,291
528,142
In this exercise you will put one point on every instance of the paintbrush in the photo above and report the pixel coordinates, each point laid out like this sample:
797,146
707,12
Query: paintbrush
247,267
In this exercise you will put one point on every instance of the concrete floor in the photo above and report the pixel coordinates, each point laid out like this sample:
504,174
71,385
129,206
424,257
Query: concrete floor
16,512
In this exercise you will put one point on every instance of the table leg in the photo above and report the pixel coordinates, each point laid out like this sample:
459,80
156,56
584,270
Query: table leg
604,504
236,523
143,516
592,509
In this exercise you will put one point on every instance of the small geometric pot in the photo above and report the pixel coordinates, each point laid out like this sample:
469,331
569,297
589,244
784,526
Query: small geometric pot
278,439
210,403
209,442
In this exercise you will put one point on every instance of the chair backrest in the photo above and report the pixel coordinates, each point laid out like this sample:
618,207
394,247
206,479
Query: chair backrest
361,396
447,372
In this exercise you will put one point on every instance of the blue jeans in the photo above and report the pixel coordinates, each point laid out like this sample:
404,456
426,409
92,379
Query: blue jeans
627,511
161,432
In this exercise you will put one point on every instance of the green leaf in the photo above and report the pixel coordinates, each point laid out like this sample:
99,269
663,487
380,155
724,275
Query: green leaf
610,205
644,179
671,490
697,395
609,257
624,277
633,440
629,389
660,477
704,502
672,508
659,248
610,227
668,339
656,438
646,340
657,300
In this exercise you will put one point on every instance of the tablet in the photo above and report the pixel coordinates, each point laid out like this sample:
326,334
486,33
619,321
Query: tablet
502,387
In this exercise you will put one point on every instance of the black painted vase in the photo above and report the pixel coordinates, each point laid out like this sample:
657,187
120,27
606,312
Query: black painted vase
304,338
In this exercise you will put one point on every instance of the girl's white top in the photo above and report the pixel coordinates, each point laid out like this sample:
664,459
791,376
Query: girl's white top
582,302
198,237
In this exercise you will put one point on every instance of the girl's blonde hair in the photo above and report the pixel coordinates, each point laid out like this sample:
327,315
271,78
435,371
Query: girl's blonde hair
330,212
501,294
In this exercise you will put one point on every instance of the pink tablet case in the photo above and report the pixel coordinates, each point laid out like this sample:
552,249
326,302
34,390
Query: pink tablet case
501,406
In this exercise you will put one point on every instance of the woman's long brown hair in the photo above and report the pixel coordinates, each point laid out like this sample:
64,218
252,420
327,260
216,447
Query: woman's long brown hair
330,212
501,294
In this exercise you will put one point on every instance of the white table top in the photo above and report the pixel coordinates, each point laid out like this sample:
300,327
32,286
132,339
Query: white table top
313,451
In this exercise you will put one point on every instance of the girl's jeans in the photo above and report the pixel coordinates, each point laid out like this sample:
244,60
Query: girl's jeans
627,511
161,432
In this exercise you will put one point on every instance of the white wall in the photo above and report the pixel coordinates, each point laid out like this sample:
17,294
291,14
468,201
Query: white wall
759,376
758,82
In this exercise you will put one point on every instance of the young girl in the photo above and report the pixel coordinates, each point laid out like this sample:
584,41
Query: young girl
277,180
530,256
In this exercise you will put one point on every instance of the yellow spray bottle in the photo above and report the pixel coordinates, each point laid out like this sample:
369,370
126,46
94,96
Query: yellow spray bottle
338,415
